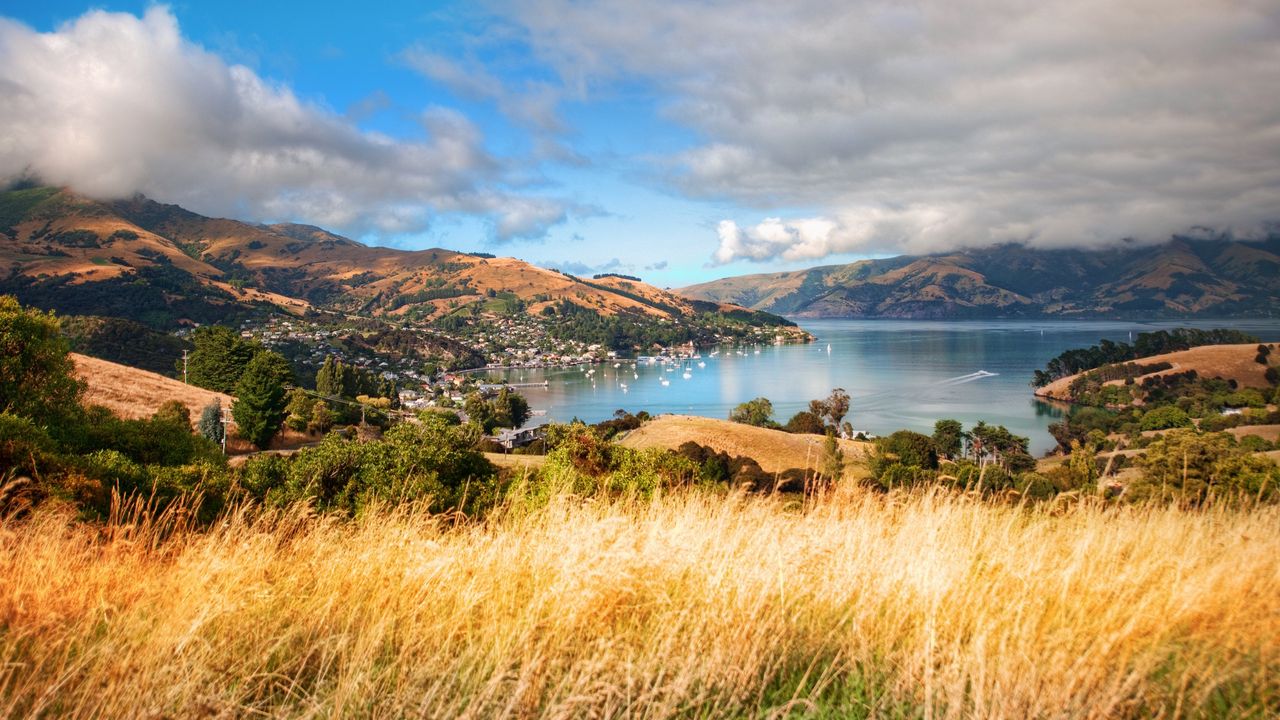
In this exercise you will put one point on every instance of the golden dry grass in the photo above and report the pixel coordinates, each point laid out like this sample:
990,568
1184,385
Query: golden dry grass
775,450
517,462
1229,362
133,393
689,605
1266,432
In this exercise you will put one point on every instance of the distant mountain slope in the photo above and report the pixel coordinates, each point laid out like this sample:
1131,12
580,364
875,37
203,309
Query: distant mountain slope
1183,277
162,264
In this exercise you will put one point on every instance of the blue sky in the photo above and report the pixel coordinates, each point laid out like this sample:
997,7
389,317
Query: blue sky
678,141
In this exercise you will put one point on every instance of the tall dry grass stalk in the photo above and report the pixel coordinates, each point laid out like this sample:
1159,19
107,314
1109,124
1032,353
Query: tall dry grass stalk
689,605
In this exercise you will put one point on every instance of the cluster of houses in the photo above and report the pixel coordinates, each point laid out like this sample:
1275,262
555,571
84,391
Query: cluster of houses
523,342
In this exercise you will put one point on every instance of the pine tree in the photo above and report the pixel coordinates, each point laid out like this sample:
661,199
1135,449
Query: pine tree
260,400
219,358
328,380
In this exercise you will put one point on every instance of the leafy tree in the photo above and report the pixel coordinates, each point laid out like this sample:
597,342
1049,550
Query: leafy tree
507,409
322,418
1165,417
995,443
210,426
757,412
909,448
298,411
948,438
174,413
37,377
1082,464
479,411
510,408
219,358
837,406
260,399
805,422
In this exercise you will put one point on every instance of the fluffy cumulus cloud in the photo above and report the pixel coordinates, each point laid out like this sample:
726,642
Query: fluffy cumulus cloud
935,124
113,104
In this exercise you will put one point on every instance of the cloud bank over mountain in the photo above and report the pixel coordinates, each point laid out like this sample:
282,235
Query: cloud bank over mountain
933,125
113,104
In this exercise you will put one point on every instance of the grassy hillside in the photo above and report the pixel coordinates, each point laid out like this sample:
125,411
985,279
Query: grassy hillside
690,605
1229,362
133,393
1184,277
776,451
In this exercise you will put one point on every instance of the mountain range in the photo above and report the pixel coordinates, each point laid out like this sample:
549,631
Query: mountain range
1183,277
164,265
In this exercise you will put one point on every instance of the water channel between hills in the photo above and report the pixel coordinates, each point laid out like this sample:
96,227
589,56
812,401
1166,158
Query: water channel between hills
900,374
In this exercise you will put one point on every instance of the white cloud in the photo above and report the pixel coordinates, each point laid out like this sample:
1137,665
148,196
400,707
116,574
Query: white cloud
936,124
113,104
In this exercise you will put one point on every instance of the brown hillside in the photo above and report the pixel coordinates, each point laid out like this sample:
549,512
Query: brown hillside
59,234
775,450
133,393
1229,362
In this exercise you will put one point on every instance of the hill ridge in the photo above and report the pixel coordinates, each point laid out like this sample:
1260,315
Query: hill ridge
62,250
1182,277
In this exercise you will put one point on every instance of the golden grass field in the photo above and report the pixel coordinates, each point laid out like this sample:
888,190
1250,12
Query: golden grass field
688,605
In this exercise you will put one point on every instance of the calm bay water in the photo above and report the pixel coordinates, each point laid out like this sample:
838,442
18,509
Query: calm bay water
900,374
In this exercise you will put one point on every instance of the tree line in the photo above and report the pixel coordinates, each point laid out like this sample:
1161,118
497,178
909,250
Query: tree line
1071,362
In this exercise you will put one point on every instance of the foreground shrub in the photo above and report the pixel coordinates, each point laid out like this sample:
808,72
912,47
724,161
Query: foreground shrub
594,465
431,461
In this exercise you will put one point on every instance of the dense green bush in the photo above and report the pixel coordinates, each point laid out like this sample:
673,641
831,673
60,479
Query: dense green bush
37,377
1165,417
431,461
903,459
595,465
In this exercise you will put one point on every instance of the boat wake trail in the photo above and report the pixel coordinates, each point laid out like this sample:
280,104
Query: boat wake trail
873,401
962,379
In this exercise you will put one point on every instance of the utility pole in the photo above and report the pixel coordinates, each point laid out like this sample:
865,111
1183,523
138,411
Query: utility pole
224,430
184,367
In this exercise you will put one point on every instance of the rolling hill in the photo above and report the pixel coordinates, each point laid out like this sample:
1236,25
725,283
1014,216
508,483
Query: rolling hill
164,266
1181,278
1229,362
